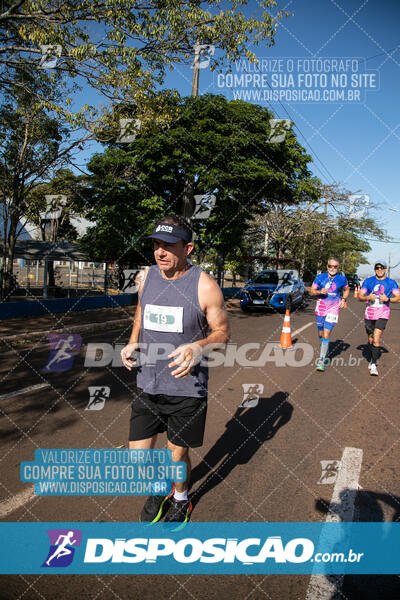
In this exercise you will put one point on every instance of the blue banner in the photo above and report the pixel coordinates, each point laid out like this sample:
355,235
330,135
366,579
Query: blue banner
100,472
200,548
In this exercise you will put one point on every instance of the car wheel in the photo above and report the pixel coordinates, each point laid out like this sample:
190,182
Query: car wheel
245,309
289,303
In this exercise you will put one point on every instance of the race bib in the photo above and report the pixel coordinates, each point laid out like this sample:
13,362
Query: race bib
331,318
163,318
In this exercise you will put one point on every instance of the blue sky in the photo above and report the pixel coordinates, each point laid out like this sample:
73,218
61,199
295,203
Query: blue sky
355,143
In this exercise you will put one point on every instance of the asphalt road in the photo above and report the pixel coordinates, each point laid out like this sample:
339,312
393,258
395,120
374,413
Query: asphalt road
260,463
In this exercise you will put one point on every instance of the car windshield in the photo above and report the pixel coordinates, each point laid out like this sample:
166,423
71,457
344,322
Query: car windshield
270,277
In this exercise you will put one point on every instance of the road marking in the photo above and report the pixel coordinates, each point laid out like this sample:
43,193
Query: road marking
8,506
341,509
31,388
302,328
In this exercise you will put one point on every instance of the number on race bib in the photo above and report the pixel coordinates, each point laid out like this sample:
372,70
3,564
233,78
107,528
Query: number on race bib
163,318
331,318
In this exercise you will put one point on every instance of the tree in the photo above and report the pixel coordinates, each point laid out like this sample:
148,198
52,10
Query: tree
222,147
63,184
123,49
33,144
311,231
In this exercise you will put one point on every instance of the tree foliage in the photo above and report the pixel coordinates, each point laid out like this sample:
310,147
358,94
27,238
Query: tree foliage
313,230
123,48
33,144
220,147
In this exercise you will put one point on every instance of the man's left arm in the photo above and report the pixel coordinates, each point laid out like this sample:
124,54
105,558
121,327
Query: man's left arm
212,304
345,295
395,295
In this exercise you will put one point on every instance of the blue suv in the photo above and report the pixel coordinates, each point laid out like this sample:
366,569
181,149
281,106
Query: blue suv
278,289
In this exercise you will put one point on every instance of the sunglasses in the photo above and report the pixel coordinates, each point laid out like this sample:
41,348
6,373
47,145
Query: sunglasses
379,268
333,266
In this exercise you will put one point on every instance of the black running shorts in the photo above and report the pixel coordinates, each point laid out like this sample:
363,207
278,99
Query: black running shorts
183,418
371,324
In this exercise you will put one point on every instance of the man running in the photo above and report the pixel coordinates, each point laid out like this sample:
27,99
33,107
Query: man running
378,291
177,303
331,290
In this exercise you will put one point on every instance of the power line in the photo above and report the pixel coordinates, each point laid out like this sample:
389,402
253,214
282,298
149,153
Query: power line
382,241
380,54
303,136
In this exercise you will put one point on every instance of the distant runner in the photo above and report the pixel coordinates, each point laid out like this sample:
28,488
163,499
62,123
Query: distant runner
378,291
328,289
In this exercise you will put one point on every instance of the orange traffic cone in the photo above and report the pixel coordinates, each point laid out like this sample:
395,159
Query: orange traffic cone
286,338
356,290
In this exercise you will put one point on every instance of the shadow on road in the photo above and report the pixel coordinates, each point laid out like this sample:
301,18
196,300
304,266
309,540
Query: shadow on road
366,353
248,429
337,347
369,507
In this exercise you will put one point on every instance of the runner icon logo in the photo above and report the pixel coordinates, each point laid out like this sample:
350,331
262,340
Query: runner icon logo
251,394
62,349
62,547
330,471
98,396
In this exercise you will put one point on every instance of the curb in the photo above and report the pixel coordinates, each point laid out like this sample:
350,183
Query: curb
90,326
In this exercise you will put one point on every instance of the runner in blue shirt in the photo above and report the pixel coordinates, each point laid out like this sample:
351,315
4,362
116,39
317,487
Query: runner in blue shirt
378,291
331,290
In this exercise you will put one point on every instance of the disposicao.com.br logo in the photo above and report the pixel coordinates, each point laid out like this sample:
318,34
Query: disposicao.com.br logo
192,550
199,548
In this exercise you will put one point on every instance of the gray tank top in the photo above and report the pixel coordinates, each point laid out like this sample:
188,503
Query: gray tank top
170,316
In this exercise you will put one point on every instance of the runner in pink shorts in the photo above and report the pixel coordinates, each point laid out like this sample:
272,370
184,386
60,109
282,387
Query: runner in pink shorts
378,291
330,299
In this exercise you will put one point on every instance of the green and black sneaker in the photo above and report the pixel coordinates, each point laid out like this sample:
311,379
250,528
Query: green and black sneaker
153,509
178,512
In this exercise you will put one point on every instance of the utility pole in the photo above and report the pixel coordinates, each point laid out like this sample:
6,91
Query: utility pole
188,190
196,69
389,265
266,240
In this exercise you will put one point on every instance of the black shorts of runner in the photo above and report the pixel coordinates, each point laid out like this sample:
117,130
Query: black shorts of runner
371,324
183,418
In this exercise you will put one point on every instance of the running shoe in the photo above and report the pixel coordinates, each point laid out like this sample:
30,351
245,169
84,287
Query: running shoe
373,370
153,509
178,512
370,365
320,365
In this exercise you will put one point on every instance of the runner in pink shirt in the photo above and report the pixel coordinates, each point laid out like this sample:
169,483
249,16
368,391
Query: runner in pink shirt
331,290
378,291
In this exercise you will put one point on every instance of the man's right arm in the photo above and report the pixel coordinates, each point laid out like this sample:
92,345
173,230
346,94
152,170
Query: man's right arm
364,295
314,290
